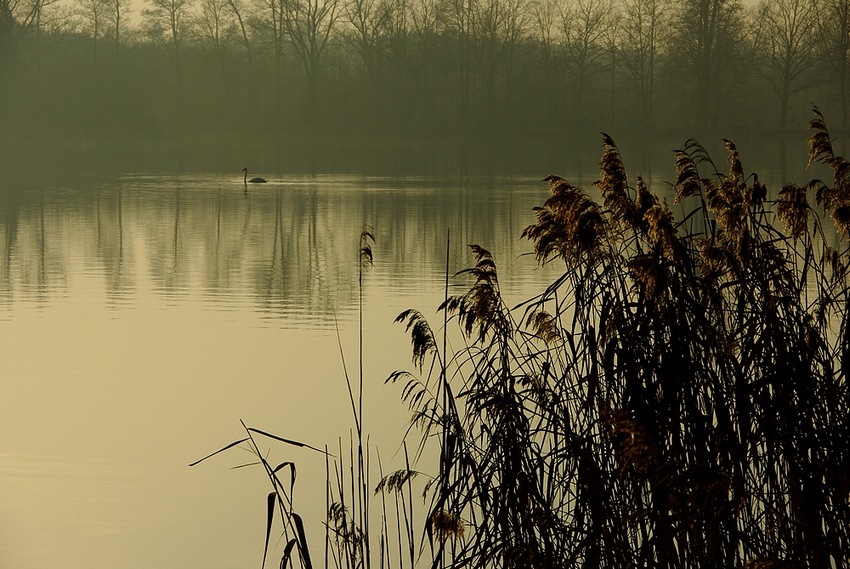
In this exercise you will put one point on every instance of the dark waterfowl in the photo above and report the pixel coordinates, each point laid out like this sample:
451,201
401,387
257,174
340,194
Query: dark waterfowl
252,180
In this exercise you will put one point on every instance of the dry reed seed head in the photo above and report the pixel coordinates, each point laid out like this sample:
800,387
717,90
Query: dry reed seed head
713,195
590,227
569,225
552,180
832,197
659,220
549,232
396,481
727,201
826,196
818,122
446,525
337,513
549,236
559,186
613,184
736,170
841,171
545,326
481,305
622,208
650,276
820,145
688,181
421,336
611,166
367,238
480,253
841,219
484,270
644,199
792,208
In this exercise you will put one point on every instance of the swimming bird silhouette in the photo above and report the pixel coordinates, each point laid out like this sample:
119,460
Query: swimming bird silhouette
252,180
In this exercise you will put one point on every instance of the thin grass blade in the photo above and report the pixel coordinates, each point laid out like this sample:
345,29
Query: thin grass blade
283,440
231,445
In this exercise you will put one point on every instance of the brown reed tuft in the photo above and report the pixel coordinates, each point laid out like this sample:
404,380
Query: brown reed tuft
613,185
445,525
570,225
687,176
544,326
792,208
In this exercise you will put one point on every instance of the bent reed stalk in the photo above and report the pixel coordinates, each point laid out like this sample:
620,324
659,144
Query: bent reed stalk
678,397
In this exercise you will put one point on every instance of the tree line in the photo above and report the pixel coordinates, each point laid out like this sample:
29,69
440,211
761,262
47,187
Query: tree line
400,66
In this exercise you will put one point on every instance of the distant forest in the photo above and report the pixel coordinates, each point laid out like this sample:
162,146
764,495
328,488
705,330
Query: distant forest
171,68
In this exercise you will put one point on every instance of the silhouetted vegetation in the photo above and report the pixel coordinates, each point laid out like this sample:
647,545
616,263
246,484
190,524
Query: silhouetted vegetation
204,68
677,397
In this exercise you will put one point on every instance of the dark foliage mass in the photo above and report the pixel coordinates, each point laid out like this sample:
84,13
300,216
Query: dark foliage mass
163,69
678,397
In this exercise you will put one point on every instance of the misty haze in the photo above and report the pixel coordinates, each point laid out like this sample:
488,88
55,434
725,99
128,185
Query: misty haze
508,283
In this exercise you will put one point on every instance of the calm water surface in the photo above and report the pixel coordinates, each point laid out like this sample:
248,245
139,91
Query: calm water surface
142,317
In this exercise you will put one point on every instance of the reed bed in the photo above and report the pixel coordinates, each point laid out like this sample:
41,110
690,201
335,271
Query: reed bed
677,397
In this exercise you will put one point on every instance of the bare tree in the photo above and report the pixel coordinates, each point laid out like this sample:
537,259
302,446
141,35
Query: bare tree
498,27
310,25
19,18
118,12
166,21
22,22
237,10
547,33
786,45
834,26
709,42
272,23
586,27
94,15
240,13
460,16
400,82
427,18
214,26
643,27
367,22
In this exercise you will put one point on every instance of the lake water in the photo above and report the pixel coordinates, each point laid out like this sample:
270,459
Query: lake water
142,316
